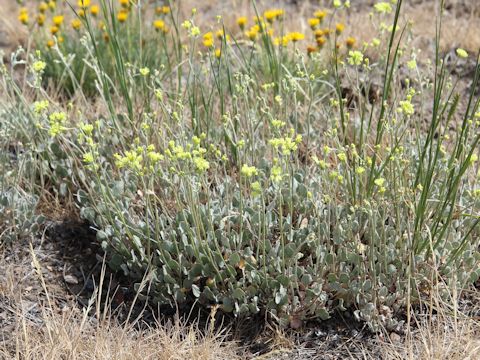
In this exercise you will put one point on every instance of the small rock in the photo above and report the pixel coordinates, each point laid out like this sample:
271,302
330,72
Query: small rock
296,323
70,279
395,337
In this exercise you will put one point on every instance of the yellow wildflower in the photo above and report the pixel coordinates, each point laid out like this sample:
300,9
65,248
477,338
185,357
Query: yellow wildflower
58,20
242,21
276,174
23,16
350,42
383,7
252,33
76,24
159,24
201,164
355,57
248,171
40,106
122,16
461,53
38,66
94,10
83,3
42,7
320,14
296,36
339,28
41,19
314,22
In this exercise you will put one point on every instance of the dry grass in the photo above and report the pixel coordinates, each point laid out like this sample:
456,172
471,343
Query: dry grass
441,337
70,336
70,333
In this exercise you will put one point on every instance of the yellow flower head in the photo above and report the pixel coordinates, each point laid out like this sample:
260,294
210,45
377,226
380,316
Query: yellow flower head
252,33
350,42
159,25
40,106
76,24
83,3
23,16
272,14
320,14
220,34
339,28
276,174
383,7
461,53
314,22
320,41
94,10
296,36
318,33
58,20
42,7
41,19
355,57
122,16
242,21
38,66
208,42
201,164
248,171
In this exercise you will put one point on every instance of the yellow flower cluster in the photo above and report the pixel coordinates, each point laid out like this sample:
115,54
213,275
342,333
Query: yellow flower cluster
265,24
140,160
51,14
248,171
321,35
286,145
160,24
40,107
273,14
192,153
57,121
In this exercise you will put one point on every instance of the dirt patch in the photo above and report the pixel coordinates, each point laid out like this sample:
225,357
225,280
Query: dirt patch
11,31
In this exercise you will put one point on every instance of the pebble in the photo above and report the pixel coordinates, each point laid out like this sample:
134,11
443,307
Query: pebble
70,279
